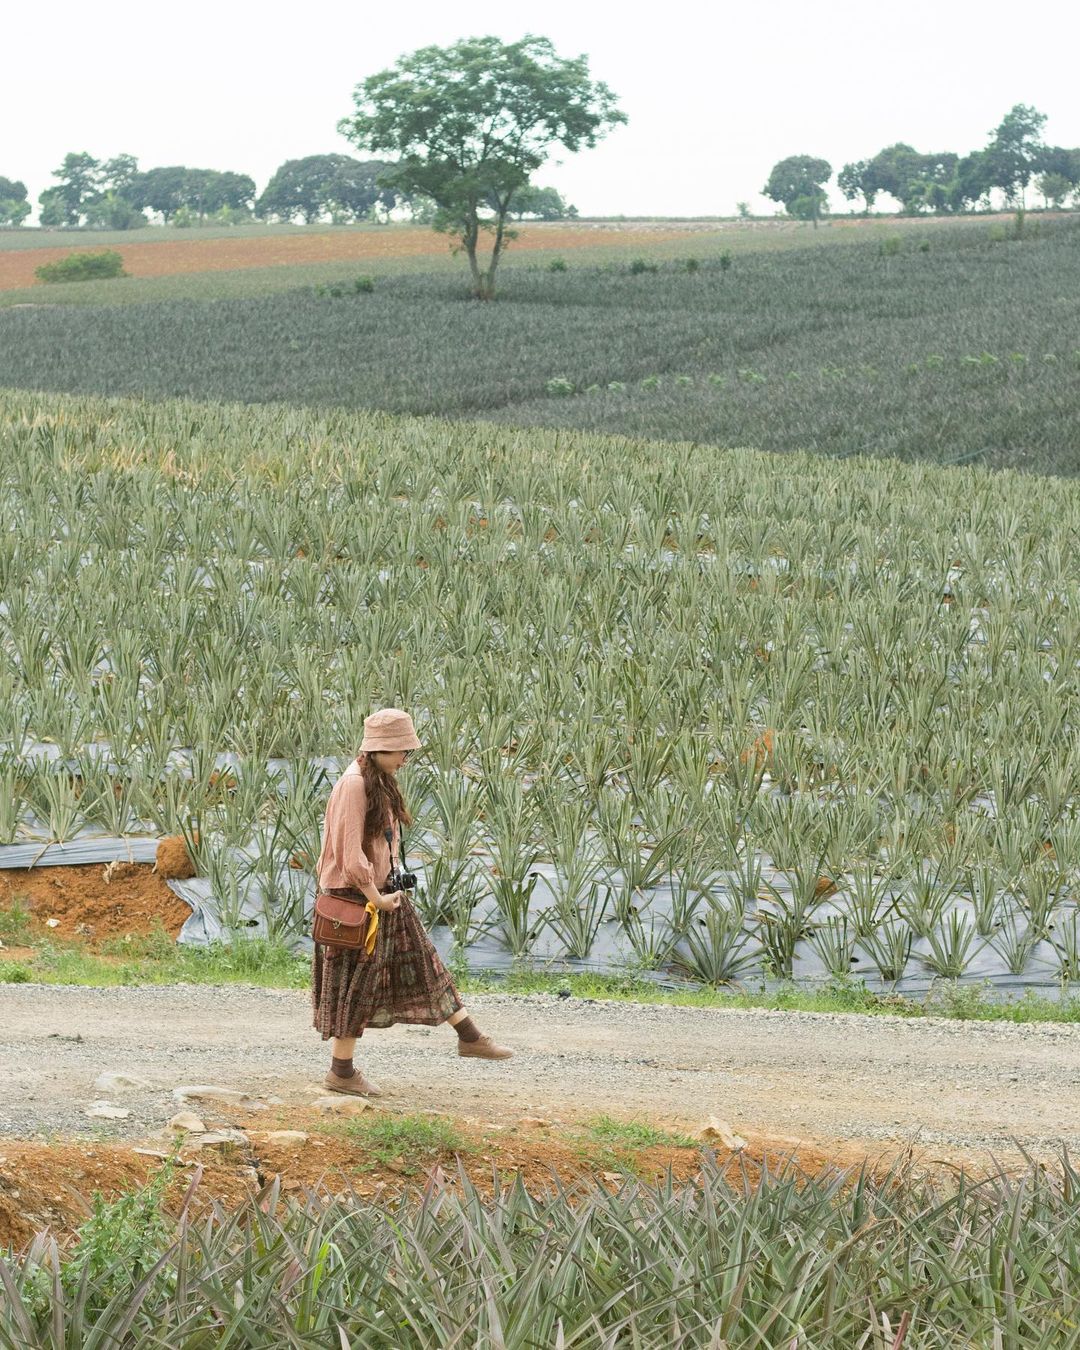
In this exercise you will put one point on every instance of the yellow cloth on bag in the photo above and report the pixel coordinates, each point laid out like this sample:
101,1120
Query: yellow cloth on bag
373,926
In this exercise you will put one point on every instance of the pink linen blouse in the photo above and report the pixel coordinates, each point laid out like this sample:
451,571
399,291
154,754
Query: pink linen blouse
344,861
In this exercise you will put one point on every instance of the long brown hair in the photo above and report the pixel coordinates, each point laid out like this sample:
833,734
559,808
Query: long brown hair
384,799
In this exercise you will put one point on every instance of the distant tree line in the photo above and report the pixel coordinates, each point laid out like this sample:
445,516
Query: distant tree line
942,182
114,194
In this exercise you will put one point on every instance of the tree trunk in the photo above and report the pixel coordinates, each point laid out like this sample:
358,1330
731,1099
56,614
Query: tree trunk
470,239
496,253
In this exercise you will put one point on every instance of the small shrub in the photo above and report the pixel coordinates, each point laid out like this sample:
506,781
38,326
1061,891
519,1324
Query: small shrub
82,267
725,261
640,265
13,972
557,265
15,922
560,386
692,265
119,1242
889,248
924,247
363,285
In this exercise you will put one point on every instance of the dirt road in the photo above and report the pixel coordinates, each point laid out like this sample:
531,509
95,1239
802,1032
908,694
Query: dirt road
958,1089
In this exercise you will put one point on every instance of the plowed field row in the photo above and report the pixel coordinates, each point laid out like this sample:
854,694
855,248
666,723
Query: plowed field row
173,257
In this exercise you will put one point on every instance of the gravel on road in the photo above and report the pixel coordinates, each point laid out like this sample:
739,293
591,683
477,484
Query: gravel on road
960,1088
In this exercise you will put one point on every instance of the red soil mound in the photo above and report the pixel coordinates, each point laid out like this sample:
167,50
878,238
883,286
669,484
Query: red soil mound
95,901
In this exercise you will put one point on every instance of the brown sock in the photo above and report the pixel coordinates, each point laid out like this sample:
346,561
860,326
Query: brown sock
342,1067
467,1029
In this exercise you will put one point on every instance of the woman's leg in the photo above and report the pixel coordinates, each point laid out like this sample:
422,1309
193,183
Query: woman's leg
341,1050
463,1024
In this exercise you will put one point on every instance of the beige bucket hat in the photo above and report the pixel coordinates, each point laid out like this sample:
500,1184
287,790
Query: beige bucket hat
389,729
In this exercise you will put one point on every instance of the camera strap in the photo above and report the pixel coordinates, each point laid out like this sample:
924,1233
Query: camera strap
388,835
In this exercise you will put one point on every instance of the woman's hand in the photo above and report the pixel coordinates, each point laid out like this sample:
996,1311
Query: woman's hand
390,902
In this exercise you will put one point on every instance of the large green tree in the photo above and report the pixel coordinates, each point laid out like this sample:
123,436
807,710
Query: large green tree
855,180
1055,188
78,184
799,182
538,203
974,181
1063,160
1059,169
1016,149
110,210
14,205
118,174
318,185
919,182
467,125
161,189
170,188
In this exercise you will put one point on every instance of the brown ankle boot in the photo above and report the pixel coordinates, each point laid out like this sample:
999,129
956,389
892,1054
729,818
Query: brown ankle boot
356,1086
484,1048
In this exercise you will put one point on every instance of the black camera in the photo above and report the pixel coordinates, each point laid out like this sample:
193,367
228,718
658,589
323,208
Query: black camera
399,879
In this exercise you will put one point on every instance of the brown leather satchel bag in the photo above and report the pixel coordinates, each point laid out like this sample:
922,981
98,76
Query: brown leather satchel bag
345,923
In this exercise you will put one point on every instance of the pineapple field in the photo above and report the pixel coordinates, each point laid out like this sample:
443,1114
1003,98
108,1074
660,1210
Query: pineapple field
720,717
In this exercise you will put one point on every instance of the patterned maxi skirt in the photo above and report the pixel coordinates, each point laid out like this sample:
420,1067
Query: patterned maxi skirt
403,980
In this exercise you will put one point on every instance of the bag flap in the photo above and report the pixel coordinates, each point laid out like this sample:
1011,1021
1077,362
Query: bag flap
339,910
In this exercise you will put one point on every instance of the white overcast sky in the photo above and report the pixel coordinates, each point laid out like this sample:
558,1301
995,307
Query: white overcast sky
715,93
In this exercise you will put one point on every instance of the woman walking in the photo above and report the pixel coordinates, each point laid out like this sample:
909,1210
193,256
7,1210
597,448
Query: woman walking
403,979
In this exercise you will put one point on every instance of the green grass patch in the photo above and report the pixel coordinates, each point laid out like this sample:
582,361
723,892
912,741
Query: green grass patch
634,1134
143,961
407,1142
149,961
950,999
